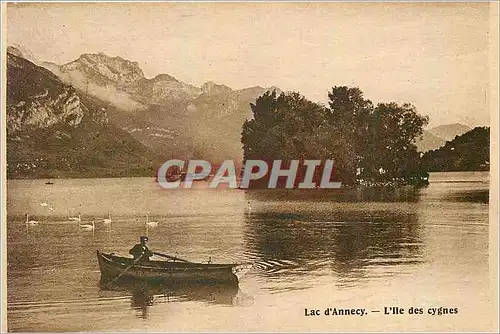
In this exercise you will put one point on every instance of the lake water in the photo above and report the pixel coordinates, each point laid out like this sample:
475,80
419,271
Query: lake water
308,252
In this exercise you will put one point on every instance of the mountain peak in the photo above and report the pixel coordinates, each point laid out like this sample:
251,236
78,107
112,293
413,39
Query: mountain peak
164,77
211,88
21,51
14,51
115,69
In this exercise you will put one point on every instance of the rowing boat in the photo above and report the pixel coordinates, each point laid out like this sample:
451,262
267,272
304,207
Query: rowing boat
113,267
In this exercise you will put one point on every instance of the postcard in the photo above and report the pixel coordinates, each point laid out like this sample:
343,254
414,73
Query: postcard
250,167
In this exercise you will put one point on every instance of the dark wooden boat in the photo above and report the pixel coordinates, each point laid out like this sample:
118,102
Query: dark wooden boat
49,182
113,267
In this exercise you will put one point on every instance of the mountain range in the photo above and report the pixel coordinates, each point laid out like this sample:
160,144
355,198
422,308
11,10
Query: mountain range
160,117
173,118
99,115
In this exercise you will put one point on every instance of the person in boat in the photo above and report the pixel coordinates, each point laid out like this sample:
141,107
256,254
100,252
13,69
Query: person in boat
140,251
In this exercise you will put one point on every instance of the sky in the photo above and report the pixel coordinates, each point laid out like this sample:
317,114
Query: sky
435,56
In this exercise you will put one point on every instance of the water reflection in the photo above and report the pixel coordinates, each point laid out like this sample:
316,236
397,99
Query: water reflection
362,194
141,299
345,242
143,295
472,196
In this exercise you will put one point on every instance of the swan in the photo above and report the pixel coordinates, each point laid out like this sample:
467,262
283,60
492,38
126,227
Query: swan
107,220
31,222
88,227
148,223
78,219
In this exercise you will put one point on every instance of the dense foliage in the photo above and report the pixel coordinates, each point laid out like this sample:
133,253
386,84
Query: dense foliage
468,152
369,144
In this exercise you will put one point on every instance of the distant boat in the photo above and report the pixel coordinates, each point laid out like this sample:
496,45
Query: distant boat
183,176
48,182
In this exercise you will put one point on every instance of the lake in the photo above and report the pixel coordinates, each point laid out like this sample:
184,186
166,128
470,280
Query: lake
308,252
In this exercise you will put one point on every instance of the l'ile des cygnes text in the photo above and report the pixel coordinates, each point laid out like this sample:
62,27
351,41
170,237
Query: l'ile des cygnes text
386,310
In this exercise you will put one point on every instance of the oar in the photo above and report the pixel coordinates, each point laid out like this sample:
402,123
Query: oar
170,257
124,271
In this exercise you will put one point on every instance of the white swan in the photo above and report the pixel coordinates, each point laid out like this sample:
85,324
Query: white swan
31,222
88,227
148,223
77,219
107,220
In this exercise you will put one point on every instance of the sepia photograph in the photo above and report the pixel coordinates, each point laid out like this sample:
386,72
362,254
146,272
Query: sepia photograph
249,167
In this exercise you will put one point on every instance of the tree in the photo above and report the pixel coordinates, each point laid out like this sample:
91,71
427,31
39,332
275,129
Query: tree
380,140
349,114
367,143
284,127
391,153
288,127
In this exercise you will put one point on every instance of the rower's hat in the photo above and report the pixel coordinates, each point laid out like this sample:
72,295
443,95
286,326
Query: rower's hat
143,238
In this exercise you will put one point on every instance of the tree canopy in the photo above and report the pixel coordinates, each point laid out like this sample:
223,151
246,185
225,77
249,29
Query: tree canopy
367,143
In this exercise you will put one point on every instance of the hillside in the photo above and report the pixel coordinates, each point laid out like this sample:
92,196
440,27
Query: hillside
52,132
449,131
428,142
467,152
